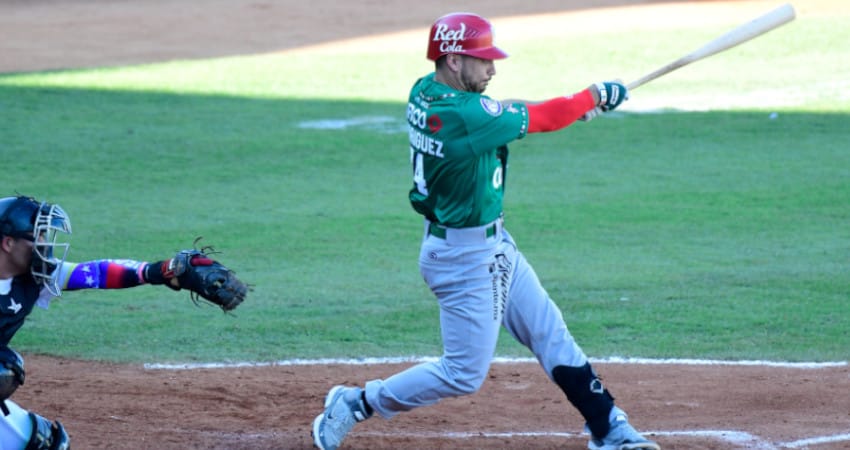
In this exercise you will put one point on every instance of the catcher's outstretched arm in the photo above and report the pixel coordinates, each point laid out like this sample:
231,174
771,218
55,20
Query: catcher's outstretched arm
102,274
192,270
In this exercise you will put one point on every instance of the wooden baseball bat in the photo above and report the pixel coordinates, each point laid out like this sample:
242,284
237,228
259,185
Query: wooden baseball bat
739,35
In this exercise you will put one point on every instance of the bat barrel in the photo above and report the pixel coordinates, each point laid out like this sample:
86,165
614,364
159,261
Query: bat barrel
743,33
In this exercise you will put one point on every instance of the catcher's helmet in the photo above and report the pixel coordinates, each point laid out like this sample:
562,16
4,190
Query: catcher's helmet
17,216
24,217
463,34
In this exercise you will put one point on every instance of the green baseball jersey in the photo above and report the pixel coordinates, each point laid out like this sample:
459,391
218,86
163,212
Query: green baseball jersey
459,152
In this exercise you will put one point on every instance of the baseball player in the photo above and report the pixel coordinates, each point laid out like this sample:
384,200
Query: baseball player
459,157
33,270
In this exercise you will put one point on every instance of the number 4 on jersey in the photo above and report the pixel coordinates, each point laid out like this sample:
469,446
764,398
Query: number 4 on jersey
416,159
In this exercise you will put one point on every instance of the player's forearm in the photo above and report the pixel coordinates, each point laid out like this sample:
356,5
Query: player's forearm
102,274
559,112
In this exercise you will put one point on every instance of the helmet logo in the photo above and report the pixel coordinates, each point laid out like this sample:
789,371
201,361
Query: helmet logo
449,38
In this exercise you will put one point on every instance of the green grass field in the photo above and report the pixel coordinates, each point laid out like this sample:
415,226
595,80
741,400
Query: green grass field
717,233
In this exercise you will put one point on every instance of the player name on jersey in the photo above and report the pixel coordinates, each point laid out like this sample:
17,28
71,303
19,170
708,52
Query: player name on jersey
423,143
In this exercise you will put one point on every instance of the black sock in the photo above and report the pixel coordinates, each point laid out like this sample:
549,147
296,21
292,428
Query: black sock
366,406
585,391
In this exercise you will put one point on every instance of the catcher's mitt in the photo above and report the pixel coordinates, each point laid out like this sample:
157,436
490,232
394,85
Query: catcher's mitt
205,277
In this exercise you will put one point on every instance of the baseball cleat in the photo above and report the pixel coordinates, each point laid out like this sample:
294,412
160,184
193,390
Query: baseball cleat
621,436
343,408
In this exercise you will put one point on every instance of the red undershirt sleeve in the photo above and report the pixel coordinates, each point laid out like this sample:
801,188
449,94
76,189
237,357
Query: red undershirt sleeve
559,112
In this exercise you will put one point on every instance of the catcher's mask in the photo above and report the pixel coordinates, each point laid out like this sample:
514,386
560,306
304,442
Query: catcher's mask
464,34
47,227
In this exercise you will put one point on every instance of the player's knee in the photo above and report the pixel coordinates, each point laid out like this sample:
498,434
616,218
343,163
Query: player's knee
466,386
47,435
467,380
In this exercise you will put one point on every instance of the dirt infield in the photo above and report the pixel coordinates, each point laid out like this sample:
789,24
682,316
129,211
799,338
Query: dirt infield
684,407
111,406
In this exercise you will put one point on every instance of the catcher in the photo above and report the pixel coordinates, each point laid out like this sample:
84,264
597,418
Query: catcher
33,270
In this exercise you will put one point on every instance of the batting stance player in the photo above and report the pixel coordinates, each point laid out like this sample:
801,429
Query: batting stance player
459,157
33,270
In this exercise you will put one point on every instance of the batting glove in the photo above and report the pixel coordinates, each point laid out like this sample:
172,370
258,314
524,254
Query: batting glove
611,95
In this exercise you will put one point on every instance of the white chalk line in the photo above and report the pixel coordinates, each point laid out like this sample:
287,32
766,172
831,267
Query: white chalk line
804,443
737,438
497,360
725,435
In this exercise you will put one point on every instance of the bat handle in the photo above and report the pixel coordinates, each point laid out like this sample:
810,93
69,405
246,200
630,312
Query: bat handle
683,61
639,82
635,84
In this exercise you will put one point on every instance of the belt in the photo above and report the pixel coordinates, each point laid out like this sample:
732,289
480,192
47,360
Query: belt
465,234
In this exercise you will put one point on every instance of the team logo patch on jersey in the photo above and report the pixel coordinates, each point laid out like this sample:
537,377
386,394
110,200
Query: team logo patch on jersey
492,107
434,123
13,306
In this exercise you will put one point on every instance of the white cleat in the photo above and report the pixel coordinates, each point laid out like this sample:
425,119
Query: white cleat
621,435
344,407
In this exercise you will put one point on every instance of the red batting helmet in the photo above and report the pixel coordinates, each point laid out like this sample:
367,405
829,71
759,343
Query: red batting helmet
463,34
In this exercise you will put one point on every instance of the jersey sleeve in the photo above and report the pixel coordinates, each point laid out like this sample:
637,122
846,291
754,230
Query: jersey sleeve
102,274
491,124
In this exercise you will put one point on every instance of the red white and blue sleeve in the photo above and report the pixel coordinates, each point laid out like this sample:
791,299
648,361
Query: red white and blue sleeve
102,274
